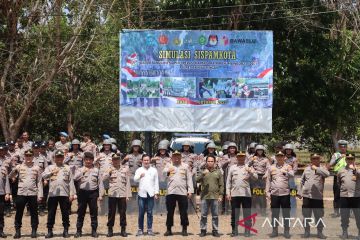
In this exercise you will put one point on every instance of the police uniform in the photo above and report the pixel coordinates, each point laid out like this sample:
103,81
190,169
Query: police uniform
119,191
278,189
89,146
6,165
338,162
179,185
4,190
238,187
90,188
41,161
311,190
30,189
61,187
349,184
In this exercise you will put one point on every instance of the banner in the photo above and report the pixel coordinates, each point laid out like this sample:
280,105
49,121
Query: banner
196,81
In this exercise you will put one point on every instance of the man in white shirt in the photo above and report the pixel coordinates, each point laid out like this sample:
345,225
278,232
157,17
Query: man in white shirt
148,179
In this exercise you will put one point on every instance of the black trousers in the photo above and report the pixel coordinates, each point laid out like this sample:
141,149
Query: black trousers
282,202
309,207
14,189
52,206
2,209
182,201
347,203
21,202
120,204
336,191
87,198
245,204
42,204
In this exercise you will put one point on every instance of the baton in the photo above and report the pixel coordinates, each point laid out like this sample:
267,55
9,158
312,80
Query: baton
192,204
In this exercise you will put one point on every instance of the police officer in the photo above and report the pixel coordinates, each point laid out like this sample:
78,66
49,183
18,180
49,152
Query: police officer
87,145
26,143
311,190
41,161
133,158
290,158
6,164
251,151
212,190
159,161
239,193
30,191
338,162
91,189
63,143
75,159
61,191
187,153
349,182
278,190
119,193
4,196
179,189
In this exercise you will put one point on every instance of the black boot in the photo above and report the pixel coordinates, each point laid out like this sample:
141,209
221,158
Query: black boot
287,233
2,234
66,233
274,232
94,233
110,232
168,232
78,233
306,233
184,231
34,233
17,233
50,233
203,233
345,234
215,233
234,232
320,234
247,233
123,232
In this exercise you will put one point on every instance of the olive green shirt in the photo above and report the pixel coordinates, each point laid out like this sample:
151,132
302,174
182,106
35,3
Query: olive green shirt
212,184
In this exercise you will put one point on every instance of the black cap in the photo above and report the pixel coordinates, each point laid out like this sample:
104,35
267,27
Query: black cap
11,142
36,144
315,156
89,155
43,144
2,147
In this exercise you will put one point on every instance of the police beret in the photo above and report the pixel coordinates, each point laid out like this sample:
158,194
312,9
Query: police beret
29,152
350,156
64,134
36,144
11,143
89,155
43,144
59,153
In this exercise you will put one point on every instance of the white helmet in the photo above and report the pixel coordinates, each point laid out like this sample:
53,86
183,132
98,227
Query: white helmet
211,145
260,147
136,142
186,143
162,145
252,145
289,146
232,144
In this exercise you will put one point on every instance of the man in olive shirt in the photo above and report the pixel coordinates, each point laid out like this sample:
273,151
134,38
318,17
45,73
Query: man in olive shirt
349,182
311,191
212,189
179,189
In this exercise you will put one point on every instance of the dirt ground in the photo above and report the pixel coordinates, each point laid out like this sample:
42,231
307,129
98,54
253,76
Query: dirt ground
332,229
